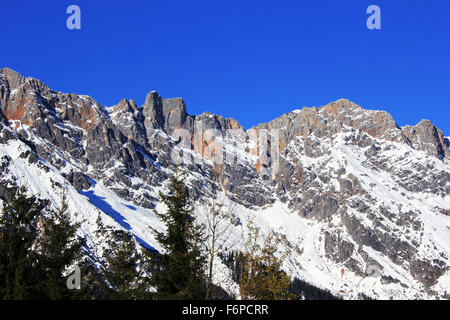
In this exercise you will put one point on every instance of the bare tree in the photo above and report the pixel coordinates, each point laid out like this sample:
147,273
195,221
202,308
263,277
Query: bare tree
219,229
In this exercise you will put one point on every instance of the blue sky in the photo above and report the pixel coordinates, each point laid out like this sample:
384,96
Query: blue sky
250,60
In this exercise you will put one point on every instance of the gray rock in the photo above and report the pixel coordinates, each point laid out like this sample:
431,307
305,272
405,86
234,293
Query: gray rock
13,78
427,271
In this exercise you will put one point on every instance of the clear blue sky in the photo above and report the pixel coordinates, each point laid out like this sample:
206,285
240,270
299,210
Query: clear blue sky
250,60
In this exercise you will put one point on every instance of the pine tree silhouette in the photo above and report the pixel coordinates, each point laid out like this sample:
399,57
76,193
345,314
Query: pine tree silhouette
123,272
19,273
61,248
179,272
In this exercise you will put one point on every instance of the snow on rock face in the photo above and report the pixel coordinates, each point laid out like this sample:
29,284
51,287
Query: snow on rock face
352,192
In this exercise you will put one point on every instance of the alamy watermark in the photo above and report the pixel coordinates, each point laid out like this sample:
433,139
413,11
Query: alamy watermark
74,280
210,143
373,271
227,147
73,22
374,20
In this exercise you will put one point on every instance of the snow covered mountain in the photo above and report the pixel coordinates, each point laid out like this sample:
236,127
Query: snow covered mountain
362,204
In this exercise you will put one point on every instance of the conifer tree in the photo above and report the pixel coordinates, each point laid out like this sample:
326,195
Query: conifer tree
61,248
36,251
179,272
20,274
123,272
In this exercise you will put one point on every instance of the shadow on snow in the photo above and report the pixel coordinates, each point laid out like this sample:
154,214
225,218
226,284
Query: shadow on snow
104,206
101,204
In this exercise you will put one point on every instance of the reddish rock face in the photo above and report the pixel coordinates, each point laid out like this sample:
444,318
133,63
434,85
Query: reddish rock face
29,99
16,111
87,117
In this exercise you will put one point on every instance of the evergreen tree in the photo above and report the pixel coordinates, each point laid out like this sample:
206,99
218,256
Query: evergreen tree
61,248
92,282
35,251
123,272
179,272
20,275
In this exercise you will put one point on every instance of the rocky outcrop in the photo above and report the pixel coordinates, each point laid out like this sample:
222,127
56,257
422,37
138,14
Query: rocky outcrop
427,271
425,136
13,78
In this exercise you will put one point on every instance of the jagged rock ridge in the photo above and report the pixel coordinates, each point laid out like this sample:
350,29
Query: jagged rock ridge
376,193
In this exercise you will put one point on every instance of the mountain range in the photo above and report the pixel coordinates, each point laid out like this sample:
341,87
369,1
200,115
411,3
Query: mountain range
362,204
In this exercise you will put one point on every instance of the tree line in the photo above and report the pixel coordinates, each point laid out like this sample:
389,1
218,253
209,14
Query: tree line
39,247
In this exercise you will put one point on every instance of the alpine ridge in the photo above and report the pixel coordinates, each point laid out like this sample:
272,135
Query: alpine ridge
343,188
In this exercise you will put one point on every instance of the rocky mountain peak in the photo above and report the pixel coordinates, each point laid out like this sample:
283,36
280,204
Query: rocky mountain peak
343,115
13,78
174,110
341,105
168,114
426,136
153,110
125,106
152,100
